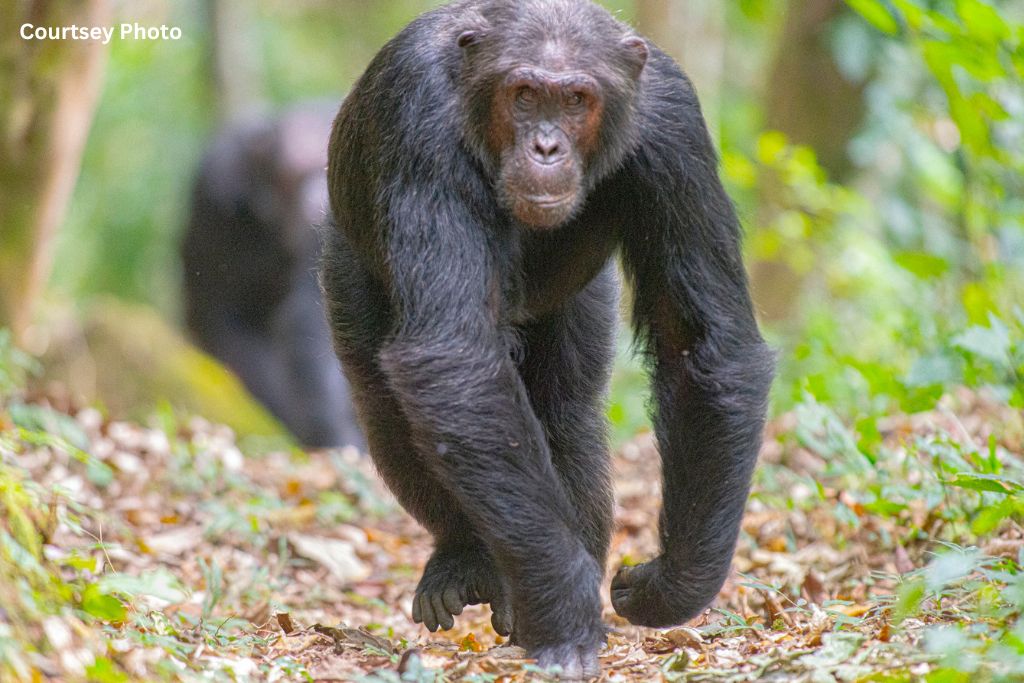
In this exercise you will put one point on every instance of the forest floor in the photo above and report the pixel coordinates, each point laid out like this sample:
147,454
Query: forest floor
164,553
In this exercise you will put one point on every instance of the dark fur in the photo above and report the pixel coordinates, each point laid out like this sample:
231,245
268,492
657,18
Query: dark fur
249,259
479,348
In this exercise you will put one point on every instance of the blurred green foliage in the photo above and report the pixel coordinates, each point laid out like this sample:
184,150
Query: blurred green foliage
129,204
158,109
911,281
15,365
912,272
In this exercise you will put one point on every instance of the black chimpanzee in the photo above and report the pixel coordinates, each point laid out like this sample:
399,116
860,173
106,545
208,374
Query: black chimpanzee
483,173
249,256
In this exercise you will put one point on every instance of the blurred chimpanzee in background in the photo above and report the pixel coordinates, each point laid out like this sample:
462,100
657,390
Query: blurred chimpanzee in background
249,255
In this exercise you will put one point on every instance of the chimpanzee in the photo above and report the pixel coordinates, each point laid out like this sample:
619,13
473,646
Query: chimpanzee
483,173
249,255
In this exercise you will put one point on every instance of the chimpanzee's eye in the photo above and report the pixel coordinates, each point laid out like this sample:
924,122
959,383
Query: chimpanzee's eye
574,99
526,96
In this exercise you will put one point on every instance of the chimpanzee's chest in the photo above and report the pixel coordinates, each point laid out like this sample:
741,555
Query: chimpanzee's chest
554,265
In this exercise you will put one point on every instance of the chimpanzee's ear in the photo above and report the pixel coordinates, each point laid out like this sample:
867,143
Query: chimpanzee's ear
637,52
475,30
470,37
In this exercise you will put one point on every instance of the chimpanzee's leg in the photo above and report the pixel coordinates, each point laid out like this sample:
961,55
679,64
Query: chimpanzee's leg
319,409
461,571
566,367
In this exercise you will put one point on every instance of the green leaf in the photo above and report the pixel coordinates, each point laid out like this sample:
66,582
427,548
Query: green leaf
991,516
159,584
102,606
876,14
40,419
932,370
982,20
991,343
912,14
950,567
770,146
869,435
922,264
979,301
908,600
24,559
985,482
675,664
949,641
885,508
98,472
947,676
105,671
85,563
836,648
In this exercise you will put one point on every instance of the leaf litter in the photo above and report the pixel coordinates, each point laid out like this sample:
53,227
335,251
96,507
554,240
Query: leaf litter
171,556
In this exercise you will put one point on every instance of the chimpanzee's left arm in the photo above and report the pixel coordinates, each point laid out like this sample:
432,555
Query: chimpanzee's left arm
710,369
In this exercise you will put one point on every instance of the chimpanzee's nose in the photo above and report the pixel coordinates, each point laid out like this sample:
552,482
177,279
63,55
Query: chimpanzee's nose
547,149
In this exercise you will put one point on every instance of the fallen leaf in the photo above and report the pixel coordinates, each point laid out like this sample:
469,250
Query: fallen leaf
814,588
175,541
852,610
355,637
410,661
684,637
284,620
338,557
470,644
903,563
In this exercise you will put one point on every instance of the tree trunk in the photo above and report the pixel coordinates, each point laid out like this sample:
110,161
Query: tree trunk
813,103
693,32
808,98
48,94
233,59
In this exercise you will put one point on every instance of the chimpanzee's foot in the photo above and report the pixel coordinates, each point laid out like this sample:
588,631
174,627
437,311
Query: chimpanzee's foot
648,594
454,578
576,662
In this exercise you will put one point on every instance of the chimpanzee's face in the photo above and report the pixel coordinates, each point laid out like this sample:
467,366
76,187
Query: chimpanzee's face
549,110
545,127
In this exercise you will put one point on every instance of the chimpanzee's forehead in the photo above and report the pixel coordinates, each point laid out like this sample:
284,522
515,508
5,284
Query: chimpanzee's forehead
553,27
556,48
554,36
550,53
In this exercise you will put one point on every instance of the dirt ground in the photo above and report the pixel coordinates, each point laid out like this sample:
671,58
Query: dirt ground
295,566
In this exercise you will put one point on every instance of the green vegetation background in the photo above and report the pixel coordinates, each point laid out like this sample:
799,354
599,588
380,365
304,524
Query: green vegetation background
908,271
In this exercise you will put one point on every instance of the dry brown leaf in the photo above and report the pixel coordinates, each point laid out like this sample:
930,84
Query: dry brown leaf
852,610
284,620
355,637
175,541
338,557
903,563
685,637
470,644
814,588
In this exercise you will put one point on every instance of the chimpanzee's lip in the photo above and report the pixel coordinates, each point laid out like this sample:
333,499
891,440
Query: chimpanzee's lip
547,200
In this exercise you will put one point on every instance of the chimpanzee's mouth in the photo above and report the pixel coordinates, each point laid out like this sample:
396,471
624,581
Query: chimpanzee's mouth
548,201
545,211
